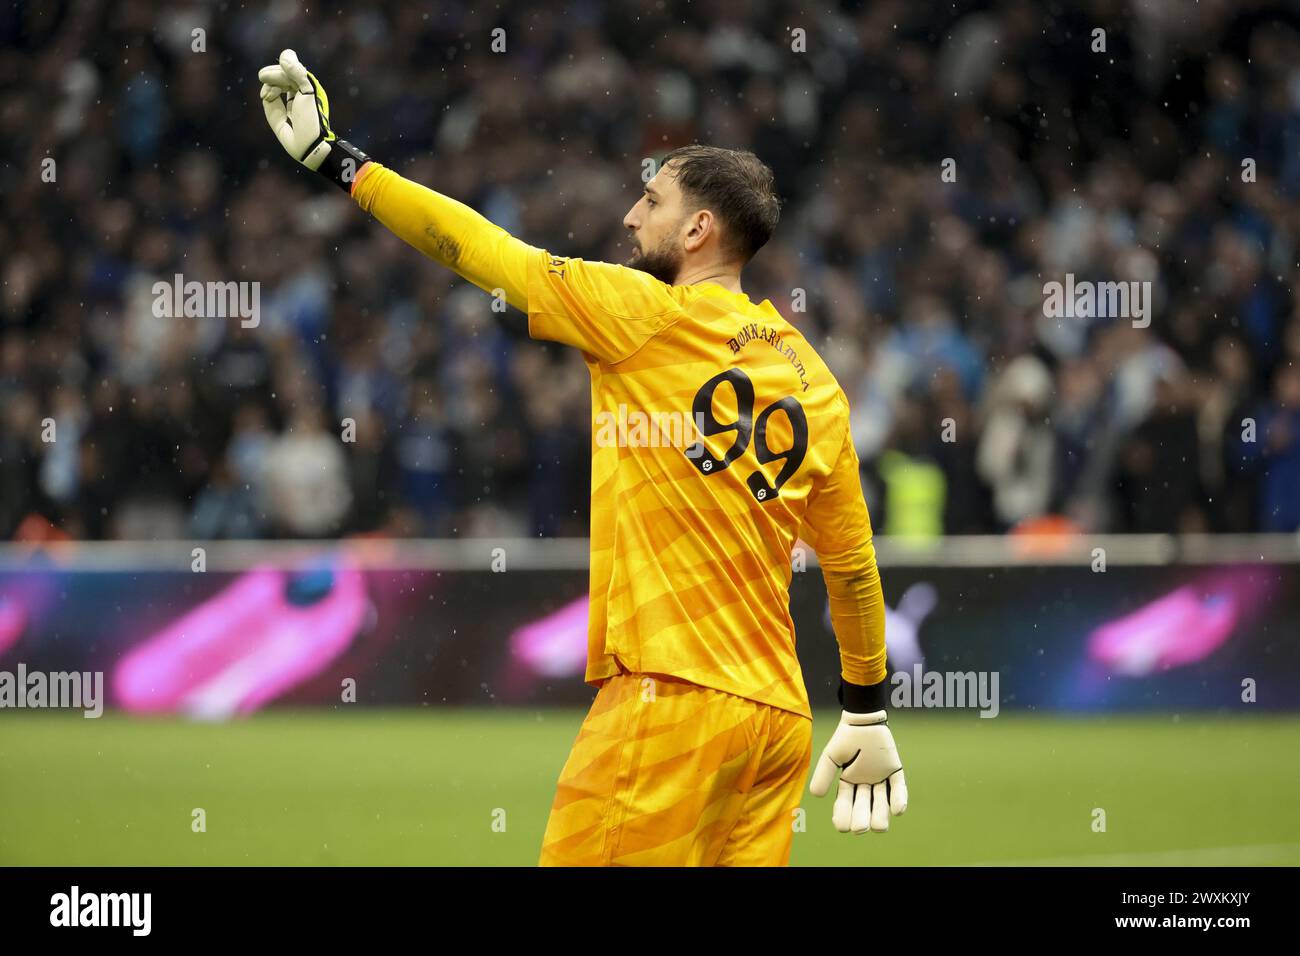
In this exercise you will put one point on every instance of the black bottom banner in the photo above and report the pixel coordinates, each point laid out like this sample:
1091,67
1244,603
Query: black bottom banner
212,905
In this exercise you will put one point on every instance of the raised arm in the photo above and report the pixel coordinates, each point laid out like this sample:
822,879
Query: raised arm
298,111
608,311
447,231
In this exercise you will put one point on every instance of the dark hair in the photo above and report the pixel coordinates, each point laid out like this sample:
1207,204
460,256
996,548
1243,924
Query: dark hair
736,186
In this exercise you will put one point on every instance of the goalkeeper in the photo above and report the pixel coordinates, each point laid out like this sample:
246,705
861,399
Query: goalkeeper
696,747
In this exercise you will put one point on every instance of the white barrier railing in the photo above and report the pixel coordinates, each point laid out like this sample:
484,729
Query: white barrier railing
567,554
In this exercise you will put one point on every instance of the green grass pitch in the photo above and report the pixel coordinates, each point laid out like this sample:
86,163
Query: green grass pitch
406,787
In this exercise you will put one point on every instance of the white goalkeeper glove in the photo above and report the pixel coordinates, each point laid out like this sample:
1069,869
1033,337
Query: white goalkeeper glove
871,775
298,112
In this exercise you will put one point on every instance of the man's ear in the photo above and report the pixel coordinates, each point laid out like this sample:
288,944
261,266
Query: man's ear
700,226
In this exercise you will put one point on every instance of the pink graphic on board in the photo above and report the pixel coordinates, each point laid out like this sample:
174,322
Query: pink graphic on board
1181,628
268,632
556,645
13,620
552,646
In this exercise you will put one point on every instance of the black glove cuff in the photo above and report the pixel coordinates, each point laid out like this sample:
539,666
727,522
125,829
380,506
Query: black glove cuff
864,698
342,164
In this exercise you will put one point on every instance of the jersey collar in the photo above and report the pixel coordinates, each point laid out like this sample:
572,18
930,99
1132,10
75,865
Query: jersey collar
712,288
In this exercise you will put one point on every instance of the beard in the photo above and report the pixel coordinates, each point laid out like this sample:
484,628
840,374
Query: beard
663,262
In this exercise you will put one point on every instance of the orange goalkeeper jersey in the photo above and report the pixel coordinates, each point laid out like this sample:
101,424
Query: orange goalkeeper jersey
691,546
719,438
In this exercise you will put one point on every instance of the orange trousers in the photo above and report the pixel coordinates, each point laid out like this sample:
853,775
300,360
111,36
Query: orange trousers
669,773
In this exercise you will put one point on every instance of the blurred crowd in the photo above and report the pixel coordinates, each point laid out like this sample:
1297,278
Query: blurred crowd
1165,150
